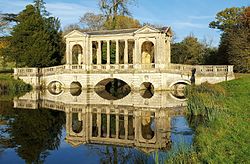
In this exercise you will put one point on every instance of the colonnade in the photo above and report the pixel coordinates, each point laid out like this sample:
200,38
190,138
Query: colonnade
127,127
117,51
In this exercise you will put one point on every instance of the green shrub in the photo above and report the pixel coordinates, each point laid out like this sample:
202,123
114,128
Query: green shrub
11,87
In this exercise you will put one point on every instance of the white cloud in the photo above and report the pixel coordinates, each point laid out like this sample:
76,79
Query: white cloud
67,12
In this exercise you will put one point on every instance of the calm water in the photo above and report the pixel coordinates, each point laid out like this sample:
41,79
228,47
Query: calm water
75,126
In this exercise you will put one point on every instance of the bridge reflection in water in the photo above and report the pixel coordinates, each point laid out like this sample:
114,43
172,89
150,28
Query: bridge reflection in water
133,121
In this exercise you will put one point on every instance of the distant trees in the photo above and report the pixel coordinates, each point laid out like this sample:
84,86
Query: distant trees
115,15
113,8
71,27
93,21
234,46
191,51
36,40
122,22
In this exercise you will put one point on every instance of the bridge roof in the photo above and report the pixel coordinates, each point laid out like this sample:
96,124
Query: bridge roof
144,29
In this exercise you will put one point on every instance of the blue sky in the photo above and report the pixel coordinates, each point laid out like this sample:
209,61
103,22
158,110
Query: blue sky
184,16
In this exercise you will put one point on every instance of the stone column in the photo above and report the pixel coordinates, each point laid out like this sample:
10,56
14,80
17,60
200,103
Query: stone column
67,53
136,54
126,52
90,53
117,126
117,52
108,125
68,123
99,53
99,124
108,52
126,126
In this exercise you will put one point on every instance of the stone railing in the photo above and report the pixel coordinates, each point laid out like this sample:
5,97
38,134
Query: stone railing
203,69
175,68
26,71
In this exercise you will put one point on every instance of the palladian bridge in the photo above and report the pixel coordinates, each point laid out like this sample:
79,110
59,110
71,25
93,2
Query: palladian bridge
138,57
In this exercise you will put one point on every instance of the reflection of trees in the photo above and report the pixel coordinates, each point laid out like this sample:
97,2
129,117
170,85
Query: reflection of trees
116,154
112,154
33,133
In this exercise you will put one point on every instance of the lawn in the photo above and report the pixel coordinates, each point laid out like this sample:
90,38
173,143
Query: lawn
224,136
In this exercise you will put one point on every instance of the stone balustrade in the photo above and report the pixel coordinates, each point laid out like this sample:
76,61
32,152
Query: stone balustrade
26,71
174,68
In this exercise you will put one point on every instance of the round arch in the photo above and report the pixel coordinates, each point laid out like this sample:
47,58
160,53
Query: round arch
76,123
76,54
55,87
179,85
148,130
147,90
147,53
185,82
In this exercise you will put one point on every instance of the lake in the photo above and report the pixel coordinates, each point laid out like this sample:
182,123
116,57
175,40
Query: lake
93,126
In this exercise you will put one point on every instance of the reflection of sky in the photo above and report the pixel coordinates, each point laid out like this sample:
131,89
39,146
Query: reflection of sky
182,135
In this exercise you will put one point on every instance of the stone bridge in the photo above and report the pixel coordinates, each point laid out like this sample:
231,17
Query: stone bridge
161,79
135,56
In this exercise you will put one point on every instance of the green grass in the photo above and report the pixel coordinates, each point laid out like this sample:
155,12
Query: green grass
11,87
223,136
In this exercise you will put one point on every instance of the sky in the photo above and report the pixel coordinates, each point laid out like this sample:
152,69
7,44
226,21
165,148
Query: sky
185,17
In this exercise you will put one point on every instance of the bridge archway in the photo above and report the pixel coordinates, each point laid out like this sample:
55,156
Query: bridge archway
75,88
147,54
148,126
55,87
147,90
77,123
112,89
77,54
179,85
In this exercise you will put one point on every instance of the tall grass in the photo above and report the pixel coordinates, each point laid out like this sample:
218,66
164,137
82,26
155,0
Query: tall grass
222,127
182,154
205,100
220,116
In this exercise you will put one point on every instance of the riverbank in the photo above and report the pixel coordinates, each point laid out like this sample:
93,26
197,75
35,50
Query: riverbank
219,114
11,87
223,137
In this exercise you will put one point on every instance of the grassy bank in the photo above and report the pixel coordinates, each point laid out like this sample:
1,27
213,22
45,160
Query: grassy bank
10,87
220,116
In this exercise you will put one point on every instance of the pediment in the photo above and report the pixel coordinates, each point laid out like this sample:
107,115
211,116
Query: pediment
146,29
75,34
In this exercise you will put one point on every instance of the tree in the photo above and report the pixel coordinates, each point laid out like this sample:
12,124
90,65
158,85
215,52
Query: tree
93,21
122,22
70,28
40,7
36,41
188,51
113,8
234,46
227,18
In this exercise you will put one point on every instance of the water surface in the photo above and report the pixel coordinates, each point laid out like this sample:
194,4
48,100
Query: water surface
65,126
